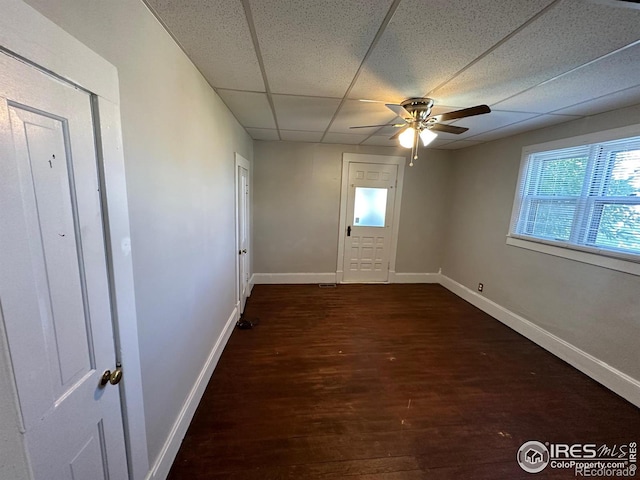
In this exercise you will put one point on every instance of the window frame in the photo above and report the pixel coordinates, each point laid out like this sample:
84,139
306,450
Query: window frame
610,258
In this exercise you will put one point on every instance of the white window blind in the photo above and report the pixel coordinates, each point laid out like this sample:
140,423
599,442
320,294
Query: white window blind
585,197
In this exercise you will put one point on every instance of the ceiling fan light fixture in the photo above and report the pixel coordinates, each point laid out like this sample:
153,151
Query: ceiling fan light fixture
427,136
407,137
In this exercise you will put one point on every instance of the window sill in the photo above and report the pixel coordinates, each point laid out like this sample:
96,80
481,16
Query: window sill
609,262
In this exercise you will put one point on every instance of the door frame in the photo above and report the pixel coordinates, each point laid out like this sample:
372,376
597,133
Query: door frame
32,38
348,158
240,161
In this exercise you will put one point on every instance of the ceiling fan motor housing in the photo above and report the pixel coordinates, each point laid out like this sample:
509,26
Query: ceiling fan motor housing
419,108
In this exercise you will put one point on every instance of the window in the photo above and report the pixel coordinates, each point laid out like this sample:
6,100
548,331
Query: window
370,207
584,197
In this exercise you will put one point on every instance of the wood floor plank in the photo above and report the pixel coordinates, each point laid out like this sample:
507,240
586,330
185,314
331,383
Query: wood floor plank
387,382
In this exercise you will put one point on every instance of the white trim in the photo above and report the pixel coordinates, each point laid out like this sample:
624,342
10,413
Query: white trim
27,34
30,35
348,158
161,467
595,137
572,250
240,161
615,380
576,254
252,282
417,278
292,278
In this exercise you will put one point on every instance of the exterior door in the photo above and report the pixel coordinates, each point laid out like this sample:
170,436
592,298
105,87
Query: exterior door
53,278
368,236
242,227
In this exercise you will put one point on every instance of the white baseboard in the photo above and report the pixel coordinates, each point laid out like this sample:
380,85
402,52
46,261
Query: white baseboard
416,278
252,282
615,380
162,465
288,278
301,278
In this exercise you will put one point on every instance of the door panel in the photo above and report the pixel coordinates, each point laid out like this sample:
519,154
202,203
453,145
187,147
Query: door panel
243,234
370,206
53,278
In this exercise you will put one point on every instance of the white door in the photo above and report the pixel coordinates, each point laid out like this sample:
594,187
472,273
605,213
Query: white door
54,290
242,227
368,235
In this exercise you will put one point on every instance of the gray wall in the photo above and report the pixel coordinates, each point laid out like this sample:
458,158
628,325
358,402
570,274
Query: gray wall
296,207
593,308
179,143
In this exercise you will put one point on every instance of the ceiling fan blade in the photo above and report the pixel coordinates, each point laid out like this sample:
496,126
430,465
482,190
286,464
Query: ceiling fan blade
448,128
398,133
465,112
398,110
384,125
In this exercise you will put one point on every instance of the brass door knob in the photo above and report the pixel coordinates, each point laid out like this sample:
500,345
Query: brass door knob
116,376
106,376
111,377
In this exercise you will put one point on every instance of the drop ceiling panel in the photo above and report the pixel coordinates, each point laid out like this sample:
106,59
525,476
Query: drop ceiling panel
355,113
250,108
534,123
621,99
458,144
315,48
381,141
304,113
608,75
353,139
426,43
568,35
216,37
299,136
263,134
485,123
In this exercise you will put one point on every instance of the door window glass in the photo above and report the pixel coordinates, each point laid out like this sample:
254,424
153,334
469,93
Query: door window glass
370,207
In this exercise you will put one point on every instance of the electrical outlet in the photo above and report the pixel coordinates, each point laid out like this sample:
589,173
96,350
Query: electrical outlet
480,287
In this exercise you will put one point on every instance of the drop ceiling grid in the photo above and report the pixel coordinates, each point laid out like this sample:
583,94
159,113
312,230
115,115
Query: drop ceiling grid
199,24
609,75
315,48
312,50
355,113
567,36
532,123
250,108
452,34
604,103
304,113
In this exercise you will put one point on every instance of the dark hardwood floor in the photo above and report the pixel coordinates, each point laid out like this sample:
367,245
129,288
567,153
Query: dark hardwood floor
387,382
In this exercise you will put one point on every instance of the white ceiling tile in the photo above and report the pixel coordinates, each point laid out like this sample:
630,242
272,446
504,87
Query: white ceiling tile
458,144
484,123
613,73
263,134
250,108
300,136
216,37
621,99
355,113
533,123
426,43
315,48
353,139
304,113
381,141
568,35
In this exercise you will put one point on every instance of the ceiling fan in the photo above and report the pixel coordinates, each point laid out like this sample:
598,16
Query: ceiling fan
419,124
